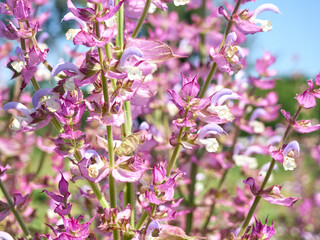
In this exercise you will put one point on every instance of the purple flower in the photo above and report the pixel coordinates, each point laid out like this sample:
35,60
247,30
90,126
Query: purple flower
5,236
271,194
186,100
20,9
92,167
285,156
211,144
190,86
263,64
153,51
72,229
260,231
153,230
18,122
63,207
217,112
228,58
301,126
308,98
161,192
112,218
18,201
247,22
128,169
6,31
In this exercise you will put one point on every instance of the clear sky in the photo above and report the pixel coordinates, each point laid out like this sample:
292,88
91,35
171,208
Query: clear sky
295,37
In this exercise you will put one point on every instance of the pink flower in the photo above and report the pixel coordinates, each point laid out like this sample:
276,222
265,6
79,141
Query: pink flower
284,155
247,22
228,58
264,63
301,126
307,98
161,192
271,194
260,231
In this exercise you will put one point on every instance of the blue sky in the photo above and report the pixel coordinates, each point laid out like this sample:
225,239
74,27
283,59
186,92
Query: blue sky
294,39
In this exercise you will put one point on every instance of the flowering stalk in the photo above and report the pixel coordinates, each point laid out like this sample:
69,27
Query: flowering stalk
225,173
192,187
129,197
194,167
15,212
112,187
60,129
214,66
141,20
129,193
266,179
203,90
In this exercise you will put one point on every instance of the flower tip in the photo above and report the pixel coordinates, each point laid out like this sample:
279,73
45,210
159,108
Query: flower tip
5,236
39,94
65,66
128,52
231,38
265,7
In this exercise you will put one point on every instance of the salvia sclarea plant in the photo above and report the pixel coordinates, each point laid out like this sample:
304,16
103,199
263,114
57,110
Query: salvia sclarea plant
127,140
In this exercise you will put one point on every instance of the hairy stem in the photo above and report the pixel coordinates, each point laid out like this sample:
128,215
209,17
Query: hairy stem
15,212
213,69
141,20
120,25
266,178
105,110
176,152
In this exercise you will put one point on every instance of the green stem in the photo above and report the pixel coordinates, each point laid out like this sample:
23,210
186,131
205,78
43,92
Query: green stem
189,218
108,51
35,84
176,152
42,158
97,191
266,178
141,220
129,191
205,225
141,20
128,118
120,25
203,35
15,212
112,185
